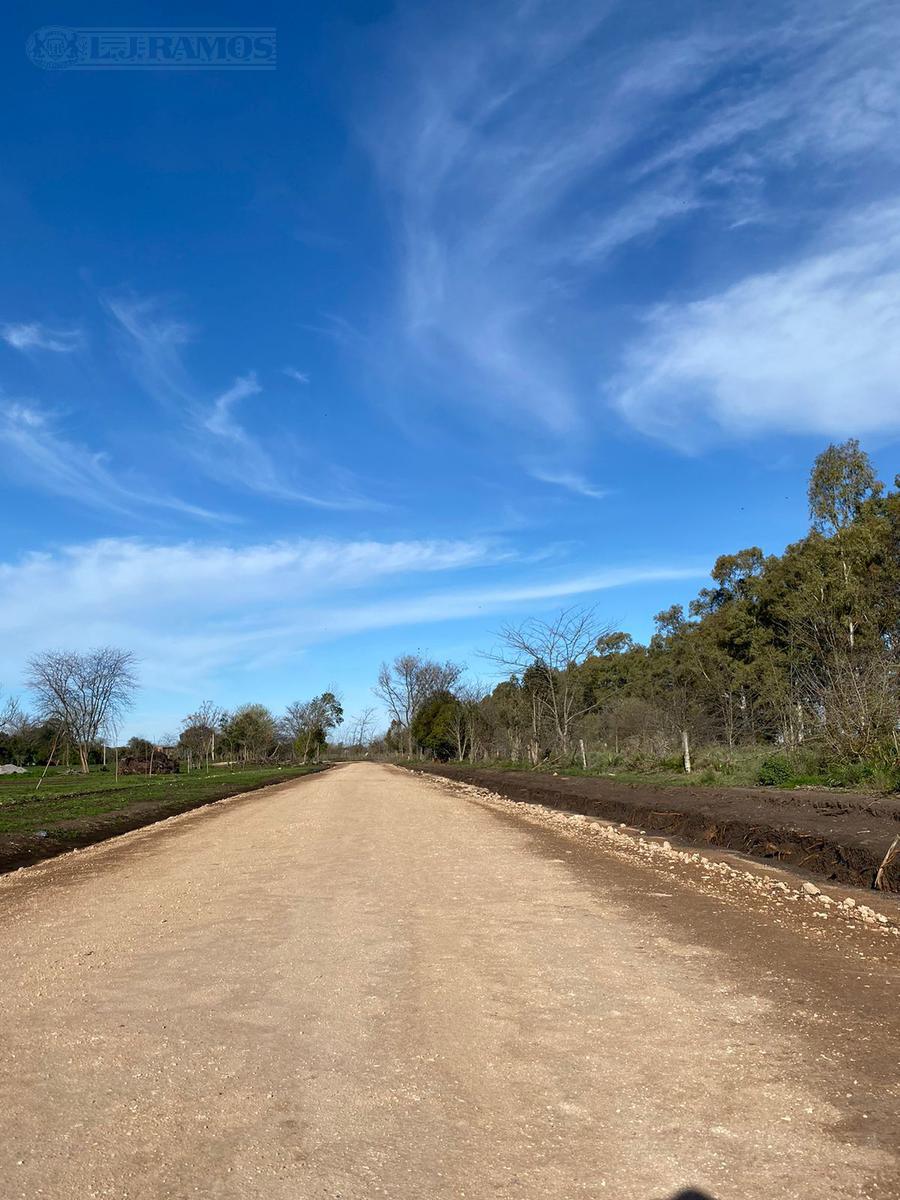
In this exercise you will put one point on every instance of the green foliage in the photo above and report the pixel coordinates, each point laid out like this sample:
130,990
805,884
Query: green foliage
775,771
251,733
671,762
307,724
884,776
841,482
28,742
139,747
433,726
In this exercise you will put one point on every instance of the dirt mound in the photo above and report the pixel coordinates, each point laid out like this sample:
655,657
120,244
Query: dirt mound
159,764
838,836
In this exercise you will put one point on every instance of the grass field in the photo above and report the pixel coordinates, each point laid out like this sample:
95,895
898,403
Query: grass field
63,799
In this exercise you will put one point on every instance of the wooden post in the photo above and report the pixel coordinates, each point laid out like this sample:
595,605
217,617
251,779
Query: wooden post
686,748
49,760
583,756
893,851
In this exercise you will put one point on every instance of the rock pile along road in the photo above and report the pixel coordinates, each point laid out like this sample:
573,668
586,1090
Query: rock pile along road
365,984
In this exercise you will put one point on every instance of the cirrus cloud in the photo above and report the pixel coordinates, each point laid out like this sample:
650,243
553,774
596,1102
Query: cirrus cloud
32,335
193,612
529,150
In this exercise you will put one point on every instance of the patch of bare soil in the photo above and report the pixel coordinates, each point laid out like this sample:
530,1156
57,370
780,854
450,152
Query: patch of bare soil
839,836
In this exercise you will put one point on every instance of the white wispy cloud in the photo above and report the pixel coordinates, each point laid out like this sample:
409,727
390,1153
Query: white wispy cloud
32,335
35,450
240,455
221,420
297,376
192,610
570,481
152,344
809,348
521,150
475,602
226,448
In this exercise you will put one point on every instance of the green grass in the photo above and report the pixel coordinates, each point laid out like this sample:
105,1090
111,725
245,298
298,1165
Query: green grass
757,766
63,797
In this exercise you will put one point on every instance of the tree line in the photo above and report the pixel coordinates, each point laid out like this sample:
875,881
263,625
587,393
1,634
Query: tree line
798,652
253,734
80,701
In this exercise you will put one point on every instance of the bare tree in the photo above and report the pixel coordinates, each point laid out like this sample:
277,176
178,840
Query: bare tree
11,715
362,728
199,729
83,693
545,654
408,682
297,724
464,721
852,690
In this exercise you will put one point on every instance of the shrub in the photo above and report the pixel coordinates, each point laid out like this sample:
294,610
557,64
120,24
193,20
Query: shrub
775,771
885,777
672,762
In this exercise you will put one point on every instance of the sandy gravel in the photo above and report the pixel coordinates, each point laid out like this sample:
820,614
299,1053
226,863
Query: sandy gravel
363,984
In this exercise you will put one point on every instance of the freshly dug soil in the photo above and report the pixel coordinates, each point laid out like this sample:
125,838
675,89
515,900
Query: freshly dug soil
23,849
839,836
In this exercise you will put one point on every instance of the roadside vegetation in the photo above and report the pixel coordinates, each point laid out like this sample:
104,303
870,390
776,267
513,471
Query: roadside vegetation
65,780
783,673
76,718
64,802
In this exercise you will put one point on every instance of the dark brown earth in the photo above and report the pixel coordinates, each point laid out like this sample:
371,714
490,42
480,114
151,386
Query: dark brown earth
839,836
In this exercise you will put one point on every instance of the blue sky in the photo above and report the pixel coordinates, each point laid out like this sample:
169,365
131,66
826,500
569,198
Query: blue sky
465,312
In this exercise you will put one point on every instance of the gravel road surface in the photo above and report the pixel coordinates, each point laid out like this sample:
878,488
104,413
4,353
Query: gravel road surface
364,985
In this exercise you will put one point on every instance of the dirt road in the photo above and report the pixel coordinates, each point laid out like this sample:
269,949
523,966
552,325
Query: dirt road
365,985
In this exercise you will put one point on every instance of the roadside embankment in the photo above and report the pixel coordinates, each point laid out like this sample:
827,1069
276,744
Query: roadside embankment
835,835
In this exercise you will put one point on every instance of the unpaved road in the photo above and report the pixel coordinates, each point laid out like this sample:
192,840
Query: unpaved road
364,985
